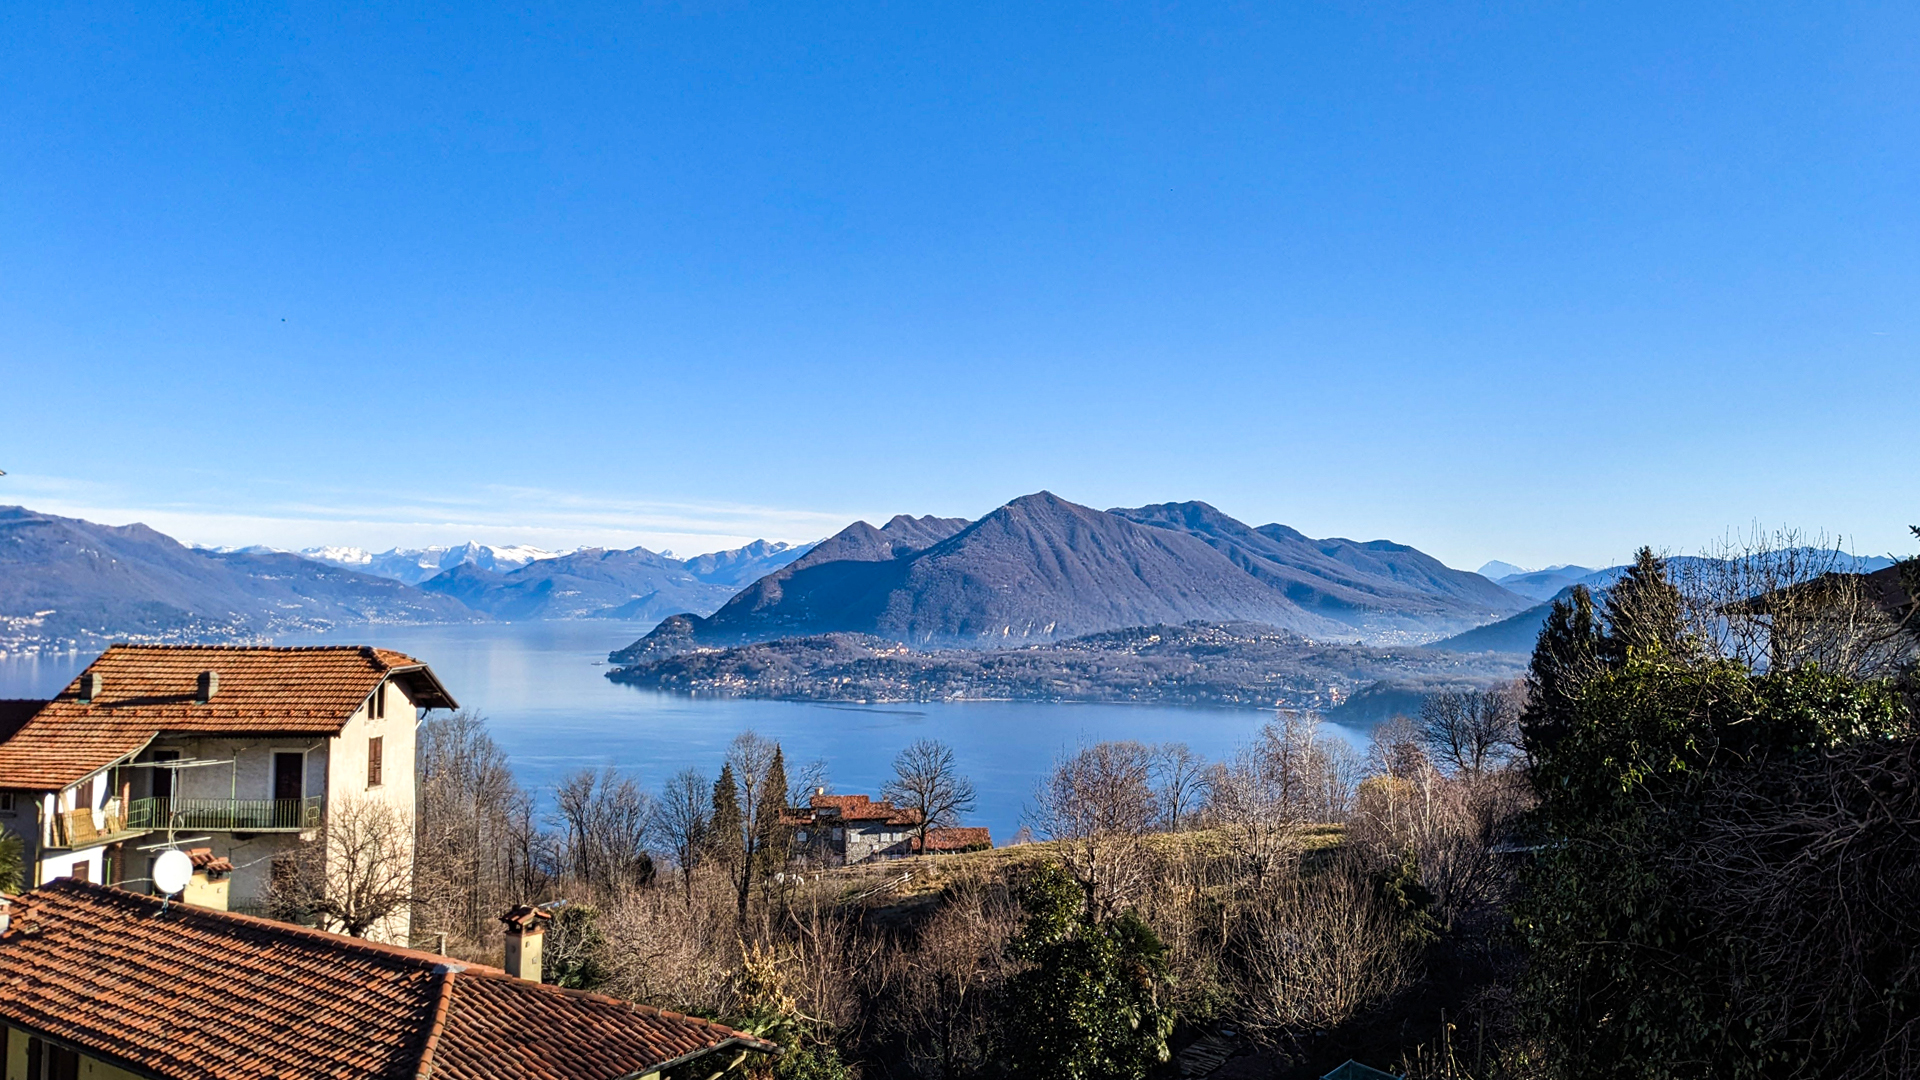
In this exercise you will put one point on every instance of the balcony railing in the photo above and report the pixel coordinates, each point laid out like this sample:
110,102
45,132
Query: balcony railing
83,828
226,815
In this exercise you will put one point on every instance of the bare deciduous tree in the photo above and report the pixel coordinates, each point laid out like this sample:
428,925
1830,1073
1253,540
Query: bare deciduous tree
926,778
607,819
474,845
1787,600
354,876
1182,783
1100,805
681,820
1471,731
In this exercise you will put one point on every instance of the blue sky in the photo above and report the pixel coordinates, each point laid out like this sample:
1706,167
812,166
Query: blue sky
1533,282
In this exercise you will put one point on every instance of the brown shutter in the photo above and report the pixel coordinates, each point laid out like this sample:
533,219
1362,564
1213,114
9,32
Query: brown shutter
374,746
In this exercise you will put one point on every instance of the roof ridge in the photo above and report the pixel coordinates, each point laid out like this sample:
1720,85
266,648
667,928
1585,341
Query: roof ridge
436,1024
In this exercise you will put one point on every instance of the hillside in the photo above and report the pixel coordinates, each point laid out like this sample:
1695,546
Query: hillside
71,583
1383,589
1240,665
1041,568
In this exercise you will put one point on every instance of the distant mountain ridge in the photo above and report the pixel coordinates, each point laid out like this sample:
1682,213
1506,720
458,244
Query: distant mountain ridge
71,583
415,565
596,583
1518,633
1041,569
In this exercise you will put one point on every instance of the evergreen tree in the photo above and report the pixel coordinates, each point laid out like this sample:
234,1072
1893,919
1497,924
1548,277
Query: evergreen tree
1645,614
1090,1004
1565,656
774,846
723,834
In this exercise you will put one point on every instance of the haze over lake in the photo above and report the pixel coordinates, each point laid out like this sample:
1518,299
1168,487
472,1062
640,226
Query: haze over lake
543,690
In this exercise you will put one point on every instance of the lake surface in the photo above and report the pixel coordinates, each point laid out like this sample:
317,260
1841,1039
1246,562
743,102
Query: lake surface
542,687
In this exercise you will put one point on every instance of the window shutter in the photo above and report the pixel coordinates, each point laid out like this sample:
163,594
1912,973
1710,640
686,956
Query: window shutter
374,746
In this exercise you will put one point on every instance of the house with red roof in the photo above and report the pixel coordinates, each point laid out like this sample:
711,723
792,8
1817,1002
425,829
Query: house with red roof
103,983
244,751
841,829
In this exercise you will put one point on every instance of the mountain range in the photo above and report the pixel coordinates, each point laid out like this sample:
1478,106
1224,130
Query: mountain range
1042,569
67,581
594,583
415,565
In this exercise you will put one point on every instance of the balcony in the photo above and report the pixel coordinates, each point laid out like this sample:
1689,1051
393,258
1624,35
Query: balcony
85,828
226,815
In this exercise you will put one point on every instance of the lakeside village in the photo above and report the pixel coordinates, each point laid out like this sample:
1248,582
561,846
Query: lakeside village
237,862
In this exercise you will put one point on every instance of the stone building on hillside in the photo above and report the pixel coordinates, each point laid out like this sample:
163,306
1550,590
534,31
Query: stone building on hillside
836,830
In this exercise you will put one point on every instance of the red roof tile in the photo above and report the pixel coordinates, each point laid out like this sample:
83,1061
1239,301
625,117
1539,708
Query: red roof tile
193,994
862,808
147,689
955,839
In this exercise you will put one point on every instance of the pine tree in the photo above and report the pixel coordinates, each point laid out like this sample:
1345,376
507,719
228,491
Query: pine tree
1645,614
1566,655
773,835
724,831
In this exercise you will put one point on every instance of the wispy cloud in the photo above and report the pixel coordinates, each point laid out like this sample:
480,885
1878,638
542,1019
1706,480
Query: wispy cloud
491,514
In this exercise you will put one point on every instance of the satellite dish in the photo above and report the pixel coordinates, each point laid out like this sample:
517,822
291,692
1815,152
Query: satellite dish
171,871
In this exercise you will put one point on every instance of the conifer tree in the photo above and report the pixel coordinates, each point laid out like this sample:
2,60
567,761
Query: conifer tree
723,833
1645,614
773,804
1566,655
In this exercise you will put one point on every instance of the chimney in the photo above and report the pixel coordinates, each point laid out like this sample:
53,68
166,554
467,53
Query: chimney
207,686
89,686
526,934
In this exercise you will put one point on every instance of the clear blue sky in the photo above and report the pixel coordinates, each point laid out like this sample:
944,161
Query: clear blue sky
1534,282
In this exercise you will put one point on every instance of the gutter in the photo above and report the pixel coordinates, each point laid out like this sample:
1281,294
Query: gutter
745,1042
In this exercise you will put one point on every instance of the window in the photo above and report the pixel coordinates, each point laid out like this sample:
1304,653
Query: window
81,871
83,794
48,1062
6,803
377,704
163,778
374,746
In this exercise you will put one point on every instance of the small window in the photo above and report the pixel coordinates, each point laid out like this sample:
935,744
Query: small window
81,871
377,704
6,803
83,794
374,746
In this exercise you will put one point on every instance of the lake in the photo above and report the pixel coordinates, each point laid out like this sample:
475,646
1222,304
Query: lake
543,690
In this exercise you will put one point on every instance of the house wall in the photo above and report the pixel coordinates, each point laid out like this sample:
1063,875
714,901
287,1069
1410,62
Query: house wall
23,821
347,776
90,1068
878,840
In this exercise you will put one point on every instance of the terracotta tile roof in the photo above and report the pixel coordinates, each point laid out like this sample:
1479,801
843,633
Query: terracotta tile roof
194,994
147,689
956,839
861,808
204,860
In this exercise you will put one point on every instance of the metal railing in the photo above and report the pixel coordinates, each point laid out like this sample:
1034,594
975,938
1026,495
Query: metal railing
226,815
81,828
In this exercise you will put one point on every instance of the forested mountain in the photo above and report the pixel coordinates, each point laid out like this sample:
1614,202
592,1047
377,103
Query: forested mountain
64,581
1041,569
